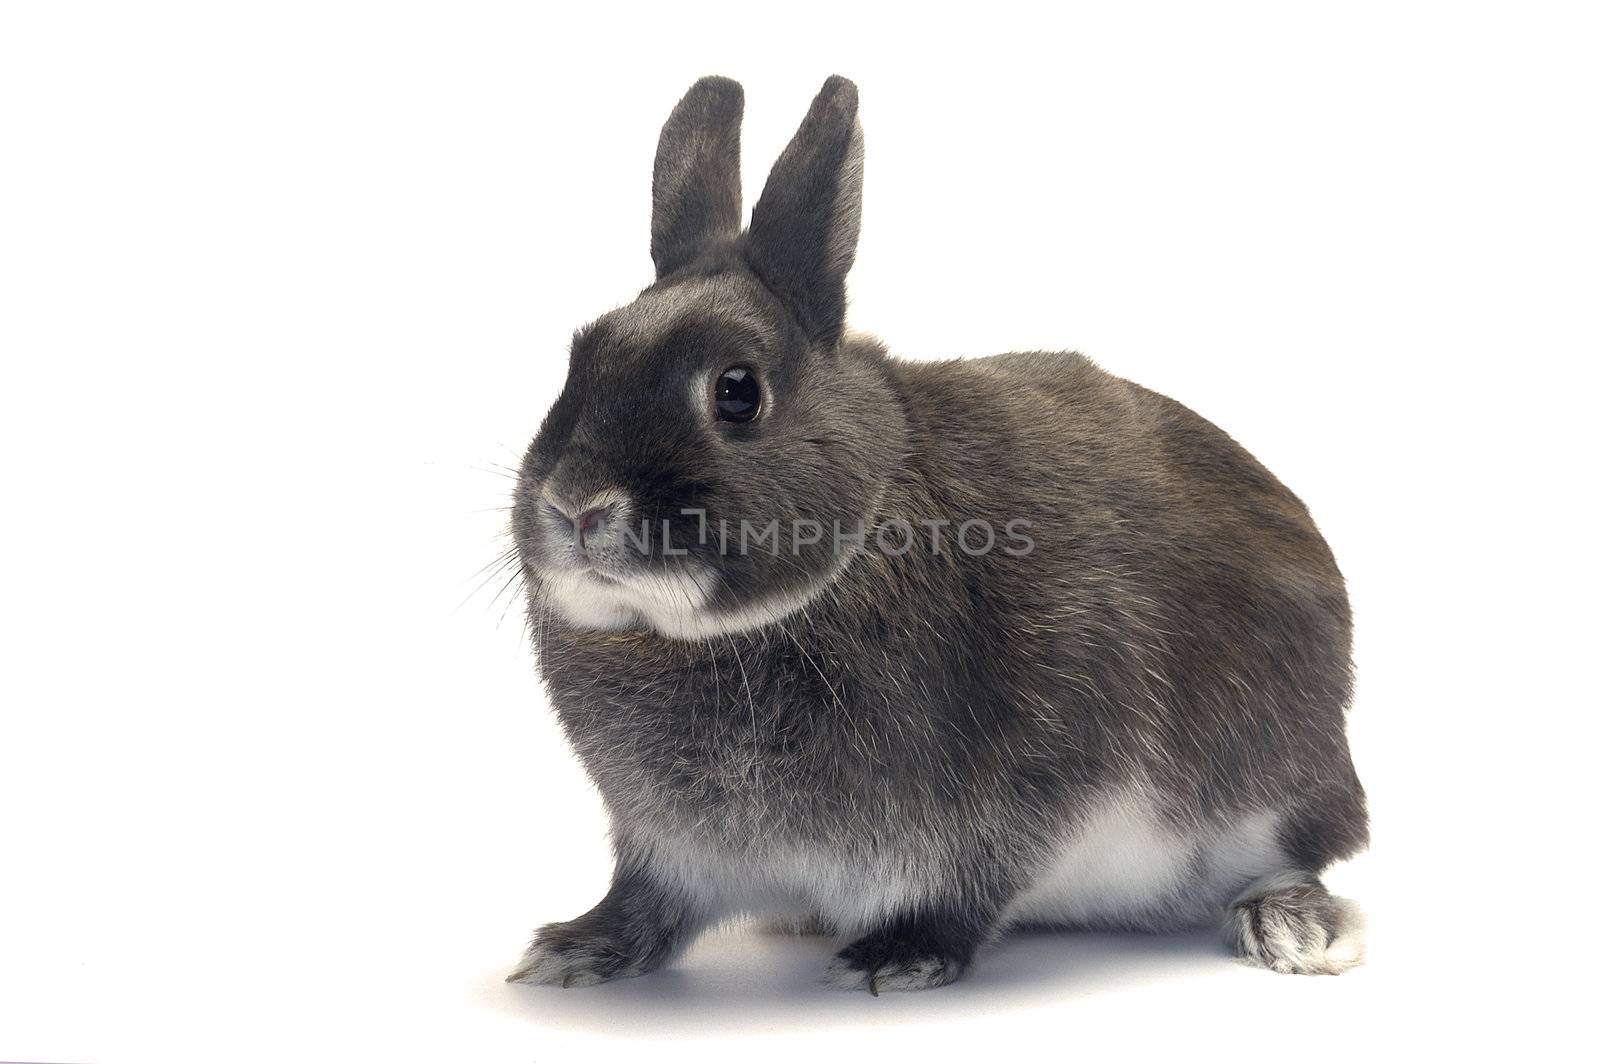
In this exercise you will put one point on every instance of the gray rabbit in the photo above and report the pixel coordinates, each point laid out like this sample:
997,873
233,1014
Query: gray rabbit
914,652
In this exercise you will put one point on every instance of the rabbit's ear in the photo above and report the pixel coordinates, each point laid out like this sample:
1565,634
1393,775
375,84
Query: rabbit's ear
803,231
696,186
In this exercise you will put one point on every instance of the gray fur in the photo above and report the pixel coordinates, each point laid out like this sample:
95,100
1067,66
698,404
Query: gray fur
695,191
908,744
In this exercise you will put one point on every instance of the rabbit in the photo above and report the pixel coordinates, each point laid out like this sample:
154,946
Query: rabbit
912,653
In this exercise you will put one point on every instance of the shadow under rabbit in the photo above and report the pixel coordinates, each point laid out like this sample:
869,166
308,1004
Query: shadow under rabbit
760,981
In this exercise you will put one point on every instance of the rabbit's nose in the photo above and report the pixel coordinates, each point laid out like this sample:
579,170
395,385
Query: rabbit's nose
591,522
589,519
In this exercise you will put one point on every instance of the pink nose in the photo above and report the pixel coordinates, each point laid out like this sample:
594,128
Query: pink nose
590,521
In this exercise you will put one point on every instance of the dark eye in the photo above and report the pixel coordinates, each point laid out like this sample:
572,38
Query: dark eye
738,394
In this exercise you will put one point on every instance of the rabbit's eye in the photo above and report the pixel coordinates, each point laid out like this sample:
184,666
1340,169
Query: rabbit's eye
738,394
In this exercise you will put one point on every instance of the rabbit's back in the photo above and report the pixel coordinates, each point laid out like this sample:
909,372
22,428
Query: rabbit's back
1181,592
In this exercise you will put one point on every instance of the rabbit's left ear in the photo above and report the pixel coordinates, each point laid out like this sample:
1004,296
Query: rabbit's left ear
696,186
802,237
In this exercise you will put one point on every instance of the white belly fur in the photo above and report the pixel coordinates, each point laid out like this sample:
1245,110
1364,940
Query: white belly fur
1123,867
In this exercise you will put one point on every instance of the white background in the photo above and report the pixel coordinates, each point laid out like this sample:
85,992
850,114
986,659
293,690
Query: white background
284,288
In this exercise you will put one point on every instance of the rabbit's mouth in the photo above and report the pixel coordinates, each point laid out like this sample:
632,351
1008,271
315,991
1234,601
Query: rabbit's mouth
602,564
592,595
678,601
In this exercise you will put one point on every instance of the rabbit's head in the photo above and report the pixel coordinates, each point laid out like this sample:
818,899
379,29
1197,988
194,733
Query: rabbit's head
717,446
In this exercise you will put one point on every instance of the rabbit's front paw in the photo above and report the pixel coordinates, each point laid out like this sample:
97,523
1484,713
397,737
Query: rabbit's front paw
879,963
568,955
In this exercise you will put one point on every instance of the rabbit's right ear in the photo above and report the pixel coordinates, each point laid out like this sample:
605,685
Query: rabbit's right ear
696,186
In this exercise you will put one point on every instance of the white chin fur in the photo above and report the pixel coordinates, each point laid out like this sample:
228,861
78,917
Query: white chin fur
674,603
